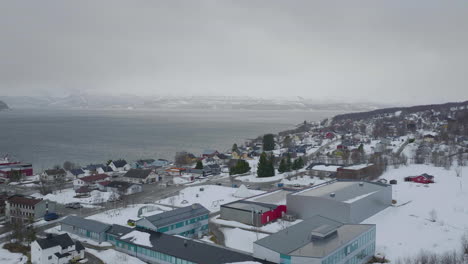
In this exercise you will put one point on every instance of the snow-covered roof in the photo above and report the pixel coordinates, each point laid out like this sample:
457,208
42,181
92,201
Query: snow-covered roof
139,238
331,168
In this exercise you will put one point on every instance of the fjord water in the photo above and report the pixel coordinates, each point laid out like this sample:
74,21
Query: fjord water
50,137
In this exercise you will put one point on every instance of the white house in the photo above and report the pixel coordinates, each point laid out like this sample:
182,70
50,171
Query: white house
123,188
120,165
59,249
55,175
140,176
90,181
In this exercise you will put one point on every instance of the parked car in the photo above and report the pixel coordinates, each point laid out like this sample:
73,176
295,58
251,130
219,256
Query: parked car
51,216
131,222
393,181
73,205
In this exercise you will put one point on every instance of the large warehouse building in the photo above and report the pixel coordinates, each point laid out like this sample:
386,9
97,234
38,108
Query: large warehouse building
318,240
345,201
252,213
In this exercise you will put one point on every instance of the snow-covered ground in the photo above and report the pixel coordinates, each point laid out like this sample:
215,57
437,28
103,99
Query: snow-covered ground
241,239
7,257
120,216
212,196
111,256
67,196
407,229
304,181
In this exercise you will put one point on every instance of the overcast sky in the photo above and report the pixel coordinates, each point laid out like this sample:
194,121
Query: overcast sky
394,51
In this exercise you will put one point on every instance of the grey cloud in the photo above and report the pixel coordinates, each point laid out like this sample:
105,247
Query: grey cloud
384,51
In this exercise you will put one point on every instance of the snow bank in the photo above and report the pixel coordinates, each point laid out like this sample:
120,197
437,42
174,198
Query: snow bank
7,257
67,196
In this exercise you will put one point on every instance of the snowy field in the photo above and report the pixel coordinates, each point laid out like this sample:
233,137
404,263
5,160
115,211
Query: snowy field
212,196
111,256
241,239
407,229
7,257
66,196
120,216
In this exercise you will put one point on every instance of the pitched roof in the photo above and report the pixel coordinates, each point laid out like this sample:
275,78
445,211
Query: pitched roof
91,225
94,178
138,173
92,167
83,189
107,169
77,172
62,240
193,250
119,163
55,172
176,215
19,199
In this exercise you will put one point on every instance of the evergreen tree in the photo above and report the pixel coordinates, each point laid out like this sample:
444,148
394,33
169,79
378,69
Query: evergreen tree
235,148
282,166
268,142
288,163
241,167
266,166
199,165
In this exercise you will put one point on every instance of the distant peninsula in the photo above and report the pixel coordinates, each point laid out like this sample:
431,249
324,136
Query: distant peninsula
3,106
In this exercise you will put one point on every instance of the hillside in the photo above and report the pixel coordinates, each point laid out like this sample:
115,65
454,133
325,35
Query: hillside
386,112
3,106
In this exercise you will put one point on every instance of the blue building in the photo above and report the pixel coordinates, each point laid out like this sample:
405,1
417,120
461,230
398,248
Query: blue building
190,221
319,240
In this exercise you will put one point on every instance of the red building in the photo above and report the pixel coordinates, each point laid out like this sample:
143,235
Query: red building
423,178
8,169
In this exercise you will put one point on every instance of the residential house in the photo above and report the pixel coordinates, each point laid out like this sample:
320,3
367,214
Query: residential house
175,171
86,228
90,181
318,240
20,208
77,173
55,175
92,168
429,138
214,168
209,153
119,165
105,170
189,221
123,188
141,176
58,249
358,172
150,163
83,191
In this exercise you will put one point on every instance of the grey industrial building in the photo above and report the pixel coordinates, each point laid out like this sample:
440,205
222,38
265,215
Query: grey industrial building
346,201
251,213
87,228
318,240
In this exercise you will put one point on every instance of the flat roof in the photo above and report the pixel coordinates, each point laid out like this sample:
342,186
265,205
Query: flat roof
249,205
315,237
276,197
343,191
176,215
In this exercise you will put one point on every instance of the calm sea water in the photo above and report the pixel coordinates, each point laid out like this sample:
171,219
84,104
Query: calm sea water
50,137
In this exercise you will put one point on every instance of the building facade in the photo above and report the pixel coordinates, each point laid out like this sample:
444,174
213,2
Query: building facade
342,200
19,208
86,228
318,240
190,221
252,213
